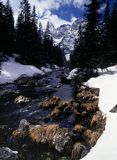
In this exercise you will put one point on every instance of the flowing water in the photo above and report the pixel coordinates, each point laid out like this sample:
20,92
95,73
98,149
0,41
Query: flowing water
12,115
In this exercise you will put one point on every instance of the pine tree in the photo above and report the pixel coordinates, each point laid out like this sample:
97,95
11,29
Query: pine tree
2,27
107,12
112,32
10,37
92,34
27,34
74,63
35,56
48,44
107,48
88,49
40,33
58,56
7,31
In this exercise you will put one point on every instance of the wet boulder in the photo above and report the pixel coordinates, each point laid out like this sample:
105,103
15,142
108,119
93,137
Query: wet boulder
21,100
114,109
37,76
50,135
64,80
7,154
25,81
6,95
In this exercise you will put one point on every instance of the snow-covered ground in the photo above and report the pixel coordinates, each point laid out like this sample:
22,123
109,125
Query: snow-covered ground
11,70
46,70
67,56
106,147
73,73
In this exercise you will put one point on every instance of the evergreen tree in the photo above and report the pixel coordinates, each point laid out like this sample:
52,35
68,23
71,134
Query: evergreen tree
58,56
48,44
35,56
10,37
27,35
2,27
88,48
92,41
40,33
107,12
112,32
107,48
7,31
77,53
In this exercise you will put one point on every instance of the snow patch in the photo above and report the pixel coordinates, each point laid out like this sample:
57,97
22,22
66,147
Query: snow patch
57,41
46,70
106,147
67,56
11,70
73,73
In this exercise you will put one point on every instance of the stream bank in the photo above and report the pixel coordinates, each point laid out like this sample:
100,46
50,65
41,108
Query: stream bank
52,124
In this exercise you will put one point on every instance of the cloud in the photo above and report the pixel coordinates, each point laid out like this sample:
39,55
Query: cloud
54,19
44,9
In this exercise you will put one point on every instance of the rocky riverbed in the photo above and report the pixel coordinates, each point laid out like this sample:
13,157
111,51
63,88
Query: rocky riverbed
40,119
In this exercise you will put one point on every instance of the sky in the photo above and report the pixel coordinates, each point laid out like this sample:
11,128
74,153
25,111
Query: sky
56,11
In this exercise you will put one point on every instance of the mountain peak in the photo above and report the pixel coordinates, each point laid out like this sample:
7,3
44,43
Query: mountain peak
65,35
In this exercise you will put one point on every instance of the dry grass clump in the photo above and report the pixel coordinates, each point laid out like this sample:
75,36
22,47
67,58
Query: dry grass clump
55,113
77,148
97,119
79,129
21,133
62,105
91,137
36,134
43,133
88,95
50,103
89,107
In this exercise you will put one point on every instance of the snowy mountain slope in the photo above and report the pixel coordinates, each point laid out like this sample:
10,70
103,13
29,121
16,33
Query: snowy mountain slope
70,36
65,35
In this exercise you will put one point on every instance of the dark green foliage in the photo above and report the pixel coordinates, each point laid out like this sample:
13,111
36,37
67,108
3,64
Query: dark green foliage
7,30
87,50
106,58
112,32
53,54
48,44
91,39
27,34
91,48
96,46
33,46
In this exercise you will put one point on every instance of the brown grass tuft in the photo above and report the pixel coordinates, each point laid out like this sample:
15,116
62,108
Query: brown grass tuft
77,148
55,113
89,107
50,103
97,119
43,133
79,129
91,137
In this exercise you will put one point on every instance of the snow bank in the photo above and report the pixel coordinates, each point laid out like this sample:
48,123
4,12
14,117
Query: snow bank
67,56
73,73
56,67
11,70
46,70
57,41
106,147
